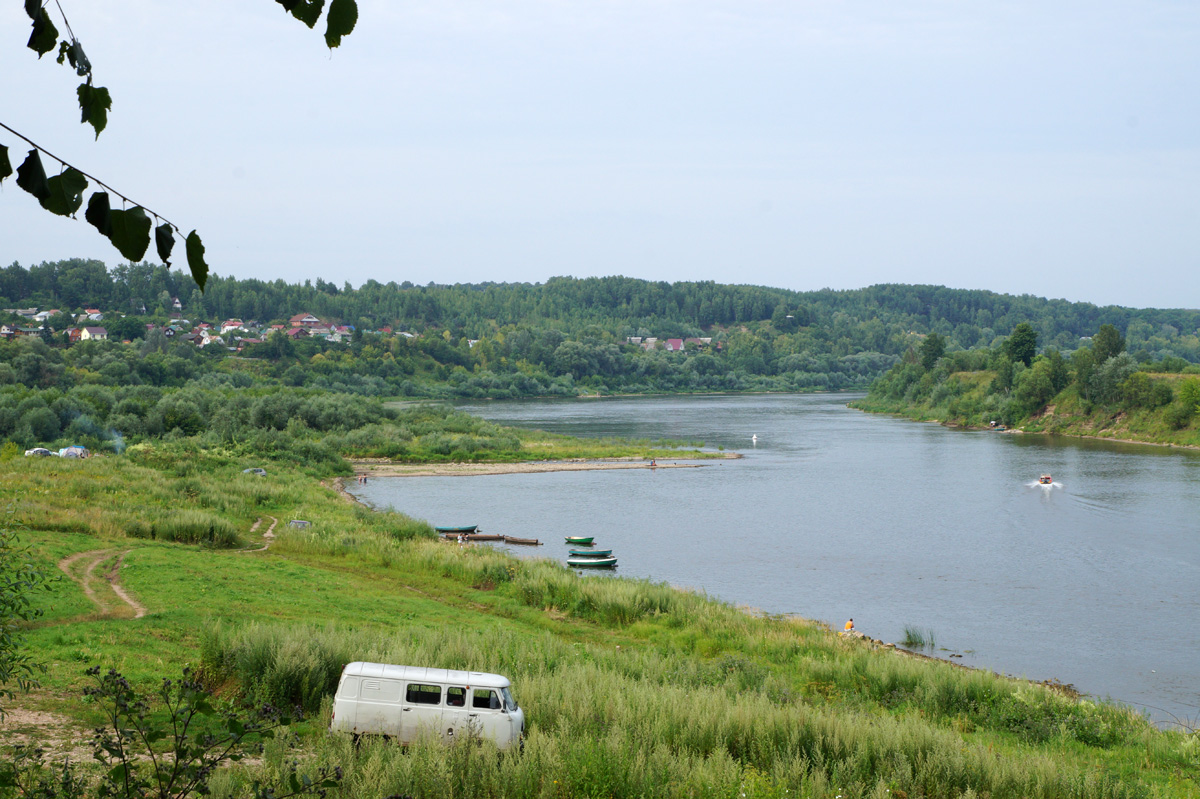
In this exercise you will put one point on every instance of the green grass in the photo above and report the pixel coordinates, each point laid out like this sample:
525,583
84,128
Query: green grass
631,688
916,638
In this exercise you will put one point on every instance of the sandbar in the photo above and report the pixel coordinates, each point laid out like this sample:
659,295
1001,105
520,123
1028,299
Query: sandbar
382,468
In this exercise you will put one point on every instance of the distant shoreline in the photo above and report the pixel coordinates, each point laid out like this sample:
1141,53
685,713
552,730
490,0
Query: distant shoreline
383,468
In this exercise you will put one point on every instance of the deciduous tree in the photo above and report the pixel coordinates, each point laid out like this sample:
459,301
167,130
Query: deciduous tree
128,229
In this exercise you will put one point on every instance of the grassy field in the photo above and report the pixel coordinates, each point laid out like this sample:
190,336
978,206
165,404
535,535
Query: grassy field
630,688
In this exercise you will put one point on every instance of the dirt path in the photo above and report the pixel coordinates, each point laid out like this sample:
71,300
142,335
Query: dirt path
268,536
84,574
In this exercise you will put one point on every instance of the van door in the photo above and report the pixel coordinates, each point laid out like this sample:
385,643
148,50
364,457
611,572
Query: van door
422,711
488,718
378,707
457,717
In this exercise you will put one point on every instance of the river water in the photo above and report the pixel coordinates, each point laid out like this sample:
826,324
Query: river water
834,513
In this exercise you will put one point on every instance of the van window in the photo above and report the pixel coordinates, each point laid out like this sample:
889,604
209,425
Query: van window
509,702
349,688
485,699
424,694
456,697
380,690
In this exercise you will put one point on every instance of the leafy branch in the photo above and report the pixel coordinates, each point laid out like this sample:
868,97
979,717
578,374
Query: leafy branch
147,754
129,228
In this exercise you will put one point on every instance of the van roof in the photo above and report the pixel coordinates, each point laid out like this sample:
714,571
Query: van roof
476,679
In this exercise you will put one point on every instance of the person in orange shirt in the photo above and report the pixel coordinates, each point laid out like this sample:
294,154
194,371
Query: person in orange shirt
850,626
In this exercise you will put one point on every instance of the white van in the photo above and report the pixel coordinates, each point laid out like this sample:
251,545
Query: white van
403,702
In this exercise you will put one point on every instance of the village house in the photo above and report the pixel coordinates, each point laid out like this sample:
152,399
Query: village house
231,324
73,334
305,320
674,345
93,334
649,343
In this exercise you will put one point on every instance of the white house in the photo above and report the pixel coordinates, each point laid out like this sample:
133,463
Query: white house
93,334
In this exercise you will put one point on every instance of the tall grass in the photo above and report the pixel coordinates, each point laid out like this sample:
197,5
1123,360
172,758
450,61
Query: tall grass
630,722
916,638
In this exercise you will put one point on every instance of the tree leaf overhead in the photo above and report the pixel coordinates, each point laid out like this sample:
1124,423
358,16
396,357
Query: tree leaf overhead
66,192
5,165
340,21
31,176
195,259
164,242
44,37
94,103
99,213
307,11
130,232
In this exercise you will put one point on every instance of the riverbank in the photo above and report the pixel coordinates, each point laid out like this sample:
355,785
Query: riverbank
384,468
736,702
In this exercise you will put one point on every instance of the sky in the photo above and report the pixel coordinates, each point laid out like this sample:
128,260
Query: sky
1022,147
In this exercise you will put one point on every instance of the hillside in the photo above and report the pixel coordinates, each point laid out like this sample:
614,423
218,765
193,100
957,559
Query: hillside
630,688
565,337
1101,391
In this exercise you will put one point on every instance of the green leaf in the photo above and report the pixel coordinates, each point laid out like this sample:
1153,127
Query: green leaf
94,102
307,11
99,213
32,177
44,35
195,258
340,21
164,242
5,164
288,5
32,7
130,233
73,51
66,192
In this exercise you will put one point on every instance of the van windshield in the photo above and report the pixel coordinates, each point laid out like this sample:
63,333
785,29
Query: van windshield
509,702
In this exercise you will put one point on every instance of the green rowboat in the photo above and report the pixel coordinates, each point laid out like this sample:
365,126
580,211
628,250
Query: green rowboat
589,553
592,563
580,540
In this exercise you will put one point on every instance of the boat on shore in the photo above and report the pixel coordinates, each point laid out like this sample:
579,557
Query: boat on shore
579,540
592,563
589,553
468,528
531,542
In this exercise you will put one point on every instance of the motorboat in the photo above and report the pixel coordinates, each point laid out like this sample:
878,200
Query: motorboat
1046,480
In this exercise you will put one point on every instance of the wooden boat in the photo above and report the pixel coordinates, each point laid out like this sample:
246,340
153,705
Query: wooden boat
464,529
532,542
589,553
592,563
585,541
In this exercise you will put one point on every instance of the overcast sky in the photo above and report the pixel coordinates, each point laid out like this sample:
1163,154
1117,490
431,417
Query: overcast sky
1022,147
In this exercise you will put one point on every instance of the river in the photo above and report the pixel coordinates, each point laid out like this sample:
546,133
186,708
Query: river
834,513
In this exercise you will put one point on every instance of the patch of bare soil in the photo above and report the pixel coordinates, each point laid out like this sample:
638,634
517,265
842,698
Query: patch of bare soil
57,734
268,536
81,568
377,469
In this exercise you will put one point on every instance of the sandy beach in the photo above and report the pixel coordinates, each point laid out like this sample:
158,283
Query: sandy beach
383,468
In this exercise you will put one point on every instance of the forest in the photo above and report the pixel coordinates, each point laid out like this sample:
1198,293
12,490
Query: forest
566,337
1098,390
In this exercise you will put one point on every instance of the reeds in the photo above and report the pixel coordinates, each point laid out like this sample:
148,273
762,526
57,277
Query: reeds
916,638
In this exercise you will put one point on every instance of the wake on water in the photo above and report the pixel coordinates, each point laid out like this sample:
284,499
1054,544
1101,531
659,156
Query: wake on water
1045,486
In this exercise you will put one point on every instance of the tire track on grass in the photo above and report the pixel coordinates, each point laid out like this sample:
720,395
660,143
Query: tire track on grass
84,575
